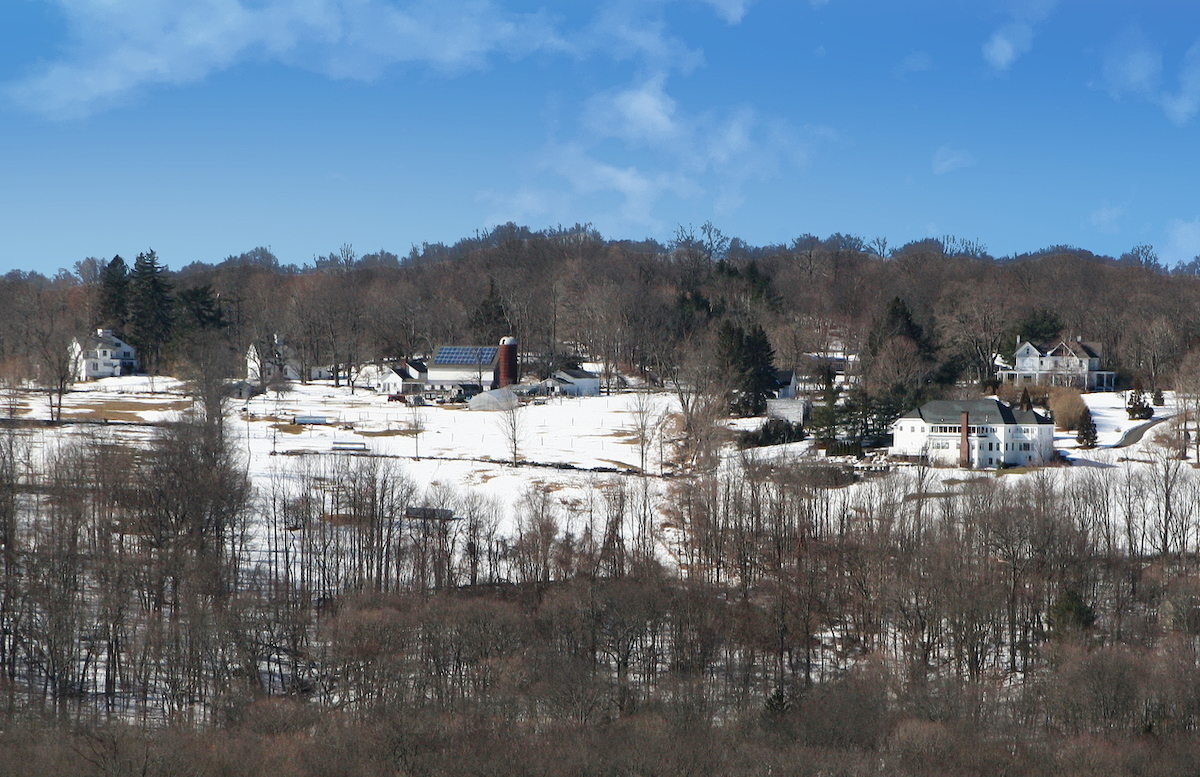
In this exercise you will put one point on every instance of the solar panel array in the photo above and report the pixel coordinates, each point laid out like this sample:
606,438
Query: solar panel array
465,354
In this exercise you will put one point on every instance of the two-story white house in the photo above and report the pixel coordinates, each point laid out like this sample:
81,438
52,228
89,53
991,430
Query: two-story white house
1075,364
102,355
979,434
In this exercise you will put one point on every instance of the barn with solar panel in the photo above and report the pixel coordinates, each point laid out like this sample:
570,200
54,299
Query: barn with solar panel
466,369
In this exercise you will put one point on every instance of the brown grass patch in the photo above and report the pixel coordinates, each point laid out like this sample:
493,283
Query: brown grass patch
105,415
622,465
390,433
344,519
126,405
288,428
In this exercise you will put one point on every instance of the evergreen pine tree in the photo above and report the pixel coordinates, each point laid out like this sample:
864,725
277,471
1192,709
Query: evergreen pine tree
750,361
1136,405
1087,435
114,296
489,321
150,313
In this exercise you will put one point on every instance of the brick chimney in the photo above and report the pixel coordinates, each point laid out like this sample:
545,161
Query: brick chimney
964,445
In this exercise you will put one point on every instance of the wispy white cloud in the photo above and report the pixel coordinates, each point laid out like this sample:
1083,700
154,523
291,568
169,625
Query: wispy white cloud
916,62
732,11
1014,38
664,151
1183,105
1183,241
637,145
1106,218
1133,67
947,159
637,114
119,48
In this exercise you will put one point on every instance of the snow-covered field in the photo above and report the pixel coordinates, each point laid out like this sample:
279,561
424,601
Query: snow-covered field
1112,422
567,446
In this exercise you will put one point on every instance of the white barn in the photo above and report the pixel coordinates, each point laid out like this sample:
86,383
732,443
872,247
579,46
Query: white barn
980,434
454,366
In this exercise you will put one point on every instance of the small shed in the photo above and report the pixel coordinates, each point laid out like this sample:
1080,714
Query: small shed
577,383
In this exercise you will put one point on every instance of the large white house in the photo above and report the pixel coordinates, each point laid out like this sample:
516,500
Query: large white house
1075,364
979,433
102,355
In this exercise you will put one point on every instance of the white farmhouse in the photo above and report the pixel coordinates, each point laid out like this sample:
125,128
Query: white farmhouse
103,355
980,434
1075,364
402,377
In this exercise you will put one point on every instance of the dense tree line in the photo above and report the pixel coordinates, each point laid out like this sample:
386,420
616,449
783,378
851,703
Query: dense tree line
169,618
923,318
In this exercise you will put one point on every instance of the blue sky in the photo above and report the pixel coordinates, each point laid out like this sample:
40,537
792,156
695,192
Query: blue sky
207,127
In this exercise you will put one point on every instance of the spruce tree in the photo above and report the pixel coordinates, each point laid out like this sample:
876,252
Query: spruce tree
114,296
489,321
747,356
150,309
1087,435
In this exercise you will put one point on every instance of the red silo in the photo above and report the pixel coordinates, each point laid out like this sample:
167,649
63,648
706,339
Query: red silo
508,361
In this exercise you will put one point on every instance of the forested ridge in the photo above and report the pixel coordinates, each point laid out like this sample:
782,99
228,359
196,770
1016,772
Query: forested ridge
921,317
777,617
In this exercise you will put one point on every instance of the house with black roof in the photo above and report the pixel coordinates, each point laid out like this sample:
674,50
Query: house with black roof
976,433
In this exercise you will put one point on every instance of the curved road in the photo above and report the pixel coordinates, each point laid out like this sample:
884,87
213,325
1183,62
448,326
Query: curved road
1134,434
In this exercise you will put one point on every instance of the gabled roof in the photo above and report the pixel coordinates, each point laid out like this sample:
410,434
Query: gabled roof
92,342
1076,348
465,355
578,374
979,411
